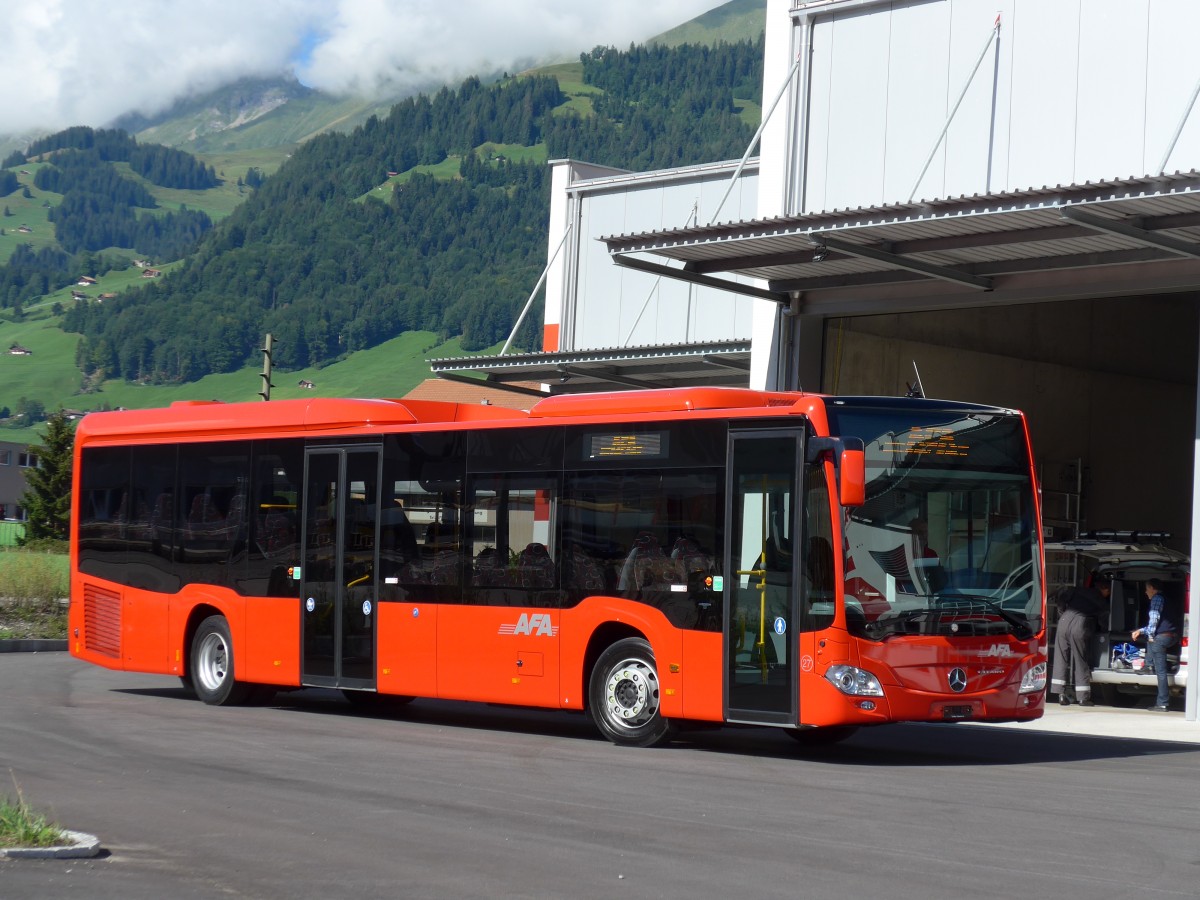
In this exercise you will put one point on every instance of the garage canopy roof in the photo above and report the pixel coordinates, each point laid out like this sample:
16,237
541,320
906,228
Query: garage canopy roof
670,365
1125,237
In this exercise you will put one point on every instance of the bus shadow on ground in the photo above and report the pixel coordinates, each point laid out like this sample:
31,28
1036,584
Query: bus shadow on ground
906,744
918,745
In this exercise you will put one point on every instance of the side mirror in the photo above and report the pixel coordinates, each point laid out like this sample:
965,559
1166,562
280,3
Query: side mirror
852,478
850,461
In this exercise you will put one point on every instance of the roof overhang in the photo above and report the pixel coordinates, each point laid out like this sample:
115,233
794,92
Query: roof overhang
671,365
1132,236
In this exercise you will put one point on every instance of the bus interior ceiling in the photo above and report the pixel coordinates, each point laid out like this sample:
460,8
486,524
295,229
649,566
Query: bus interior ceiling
1110,383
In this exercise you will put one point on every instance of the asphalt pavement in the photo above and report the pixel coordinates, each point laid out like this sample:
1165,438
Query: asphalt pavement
308,797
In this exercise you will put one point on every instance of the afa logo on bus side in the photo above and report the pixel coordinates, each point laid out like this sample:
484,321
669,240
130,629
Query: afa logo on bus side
538,624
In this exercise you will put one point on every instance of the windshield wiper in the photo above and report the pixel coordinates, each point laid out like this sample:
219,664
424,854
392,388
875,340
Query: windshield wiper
1020,628
885,626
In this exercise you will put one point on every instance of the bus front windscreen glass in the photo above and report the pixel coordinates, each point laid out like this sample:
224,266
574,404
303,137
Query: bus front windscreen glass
945,543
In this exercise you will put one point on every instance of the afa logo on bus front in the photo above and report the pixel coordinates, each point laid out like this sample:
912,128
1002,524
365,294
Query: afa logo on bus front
537,625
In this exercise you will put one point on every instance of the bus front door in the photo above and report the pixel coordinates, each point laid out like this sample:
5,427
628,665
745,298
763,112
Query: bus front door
339,596
761,608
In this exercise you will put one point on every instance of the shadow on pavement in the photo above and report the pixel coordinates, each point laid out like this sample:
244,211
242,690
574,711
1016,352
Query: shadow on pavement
905,745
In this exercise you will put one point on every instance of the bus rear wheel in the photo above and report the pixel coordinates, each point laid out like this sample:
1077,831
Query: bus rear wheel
212,671
624,696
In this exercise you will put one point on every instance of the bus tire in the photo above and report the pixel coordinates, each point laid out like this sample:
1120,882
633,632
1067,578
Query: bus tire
212,671
624,695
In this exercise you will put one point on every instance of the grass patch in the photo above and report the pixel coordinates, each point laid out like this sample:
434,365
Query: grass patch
216,202
570,82
29,211
748,111
514,152
32,586
391,369
20,826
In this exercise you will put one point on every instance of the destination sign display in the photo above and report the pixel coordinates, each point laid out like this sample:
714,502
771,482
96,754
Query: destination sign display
624,445
931,441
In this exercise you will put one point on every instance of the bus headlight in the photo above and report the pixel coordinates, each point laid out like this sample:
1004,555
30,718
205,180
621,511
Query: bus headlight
1034,680
854,681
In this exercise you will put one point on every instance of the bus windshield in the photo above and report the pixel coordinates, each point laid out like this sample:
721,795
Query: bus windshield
945,543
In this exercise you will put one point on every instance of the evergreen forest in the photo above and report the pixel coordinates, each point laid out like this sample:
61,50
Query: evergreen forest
431,218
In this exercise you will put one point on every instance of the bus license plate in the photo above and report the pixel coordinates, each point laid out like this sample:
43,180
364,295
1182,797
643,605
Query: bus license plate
956,712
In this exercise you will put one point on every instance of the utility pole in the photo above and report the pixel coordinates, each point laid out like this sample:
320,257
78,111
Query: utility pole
268,343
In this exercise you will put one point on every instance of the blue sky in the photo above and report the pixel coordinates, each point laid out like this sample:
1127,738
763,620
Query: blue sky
309,41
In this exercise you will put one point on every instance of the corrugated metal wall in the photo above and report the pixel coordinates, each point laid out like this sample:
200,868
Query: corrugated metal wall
1069,91
615,307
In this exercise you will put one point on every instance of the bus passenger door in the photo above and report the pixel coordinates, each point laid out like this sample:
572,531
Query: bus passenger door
339,594
761,608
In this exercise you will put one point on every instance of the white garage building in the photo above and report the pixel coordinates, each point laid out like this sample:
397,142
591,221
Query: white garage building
1001,196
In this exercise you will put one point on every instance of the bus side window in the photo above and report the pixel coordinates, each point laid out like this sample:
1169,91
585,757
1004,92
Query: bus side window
397,540
819,582
516,511
819,565
276,526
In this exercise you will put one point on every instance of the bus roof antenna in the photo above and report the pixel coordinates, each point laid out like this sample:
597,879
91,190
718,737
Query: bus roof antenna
916,390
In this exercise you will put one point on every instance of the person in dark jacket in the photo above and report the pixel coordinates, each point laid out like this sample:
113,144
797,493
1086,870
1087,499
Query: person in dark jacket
1161,636
1078,614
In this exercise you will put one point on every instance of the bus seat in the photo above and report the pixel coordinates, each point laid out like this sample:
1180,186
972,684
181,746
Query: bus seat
491,568
445,568
203,517
582,572
690,560
279,532
535,568
646,564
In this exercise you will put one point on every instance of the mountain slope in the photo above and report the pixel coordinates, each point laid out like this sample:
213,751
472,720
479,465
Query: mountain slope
330,274
737,20
228,107
255,113
335,255
252,114
258,113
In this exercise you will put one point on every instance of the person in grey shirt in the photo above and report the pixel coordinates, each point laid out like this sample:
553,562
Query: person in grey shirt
1078,612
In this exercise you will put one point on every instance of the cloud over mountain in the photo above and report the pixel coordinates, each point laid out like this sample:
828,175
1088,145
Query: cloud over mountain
87,62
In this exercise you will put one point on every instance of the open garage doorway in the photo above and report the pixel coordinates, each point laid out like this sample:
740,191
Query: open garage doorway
1108,385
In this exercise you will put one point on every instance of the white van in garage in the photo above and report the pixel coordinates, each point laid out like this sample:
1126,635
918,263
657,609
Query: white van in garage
1128,558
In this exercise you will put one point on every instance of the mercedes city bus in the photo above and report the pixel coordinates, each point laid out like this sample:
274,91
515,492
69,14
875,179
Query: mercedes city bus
656,558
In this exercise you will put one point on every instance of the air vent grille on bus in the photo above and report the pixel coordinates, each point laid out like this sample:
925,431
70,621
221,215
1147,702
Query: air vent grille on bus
102,621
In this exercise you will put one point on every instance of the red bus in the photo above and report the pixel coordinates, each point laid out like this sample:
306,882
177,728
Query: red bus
654,558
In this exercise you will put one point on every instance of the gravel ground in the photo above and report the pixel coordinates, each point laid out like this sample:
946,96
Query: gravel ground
19,621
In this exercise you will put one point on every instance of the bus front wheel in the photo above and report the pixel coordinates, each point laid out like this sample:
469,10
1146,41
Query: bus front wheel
624,696
212,672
